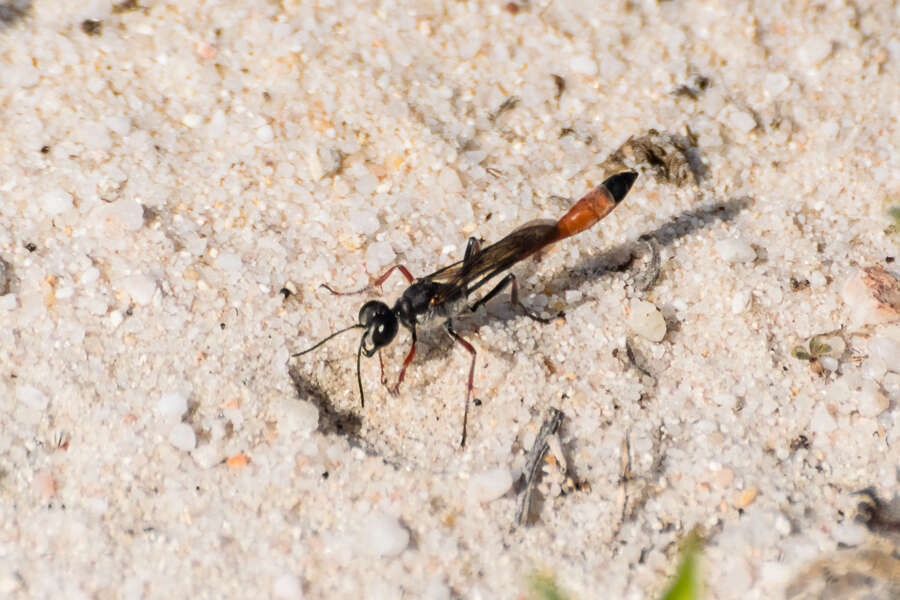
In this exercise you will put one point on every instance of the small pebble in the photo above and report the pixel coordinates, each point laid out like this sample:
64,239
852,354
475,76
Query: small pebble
746,498
140,288
364,222
182,436
822,421
8,302
128,212
583,65
56,202
782,525
735,250
449,181
814,50
265,133
288,586
828,363
229,261
44,485
646,321
378,254
872,296
742,121
489,485
32,397
870,401
849,533
382,535
173,404
887,351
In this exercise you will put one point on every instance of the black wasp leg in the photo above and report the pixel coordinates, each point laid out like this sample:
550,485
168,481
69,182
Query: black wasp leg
513,298
377,283
406,361
471,350
473,247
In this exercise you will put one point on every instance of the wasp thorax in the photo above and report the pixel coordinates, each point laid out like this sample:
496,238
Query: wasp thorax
380,323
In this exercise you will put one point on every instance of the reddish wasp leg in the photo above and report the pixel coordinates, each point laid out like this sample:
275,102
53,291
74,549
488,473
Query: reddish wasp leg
406,361
514,298
401,268
592,207
376,283
470,350
381,365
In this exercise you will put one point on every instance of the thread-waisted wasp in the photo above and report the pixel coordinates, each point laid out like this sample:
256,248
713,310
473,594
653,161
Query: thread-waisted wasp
443,295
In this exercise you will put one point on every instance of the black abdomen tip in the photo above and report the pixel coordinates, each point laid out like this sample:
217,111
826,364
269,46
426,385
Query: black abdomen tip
619,184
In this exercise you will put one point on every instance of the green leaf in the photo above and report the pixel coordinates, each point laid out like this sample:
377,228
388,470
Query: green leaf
817,347
544,587
687,580
800,352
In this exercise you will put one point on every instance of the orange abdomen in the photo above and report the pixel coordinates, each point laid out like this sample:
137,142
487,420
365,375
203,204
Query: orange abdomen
592,207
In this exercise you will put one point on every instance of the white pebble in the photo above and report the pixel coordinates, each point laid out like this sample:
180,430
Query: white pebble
56,202
8,302
119,125
742,121
128,212
449,181
229,261
364,222
265,133
782,525
288,586
887,351
173,404
583,64
870,401
822,421
115,319
873,368
182,436
191,120
814,50
828,363
817,280
382,535
776,83
735,250
646,321
90,275
849,533
140,288
740,301
32,397
725,400
871,295
296,417
489,485
208,455
378,255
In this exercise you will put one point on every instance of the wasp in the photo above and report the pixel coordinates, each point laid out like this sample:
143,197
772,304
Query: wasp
443,296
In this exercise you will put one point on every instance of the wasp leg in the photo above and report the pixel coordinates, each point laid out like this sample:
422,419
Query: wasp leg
406,361
471,350
377,283
513,298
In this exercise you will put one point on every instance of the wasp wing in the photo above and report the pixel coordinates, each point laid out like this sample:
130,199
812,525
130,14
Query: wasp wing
466,276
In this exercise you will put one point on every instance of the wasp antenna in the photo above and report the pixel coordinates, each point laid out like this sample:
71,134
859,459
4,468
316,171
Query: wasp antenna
362,396
336,333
